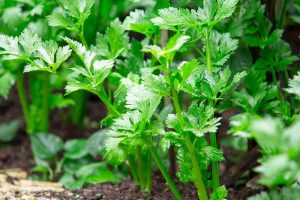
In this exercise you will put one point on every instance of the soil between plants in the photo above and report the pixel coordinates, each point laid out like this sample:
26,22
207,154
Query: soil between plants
17,154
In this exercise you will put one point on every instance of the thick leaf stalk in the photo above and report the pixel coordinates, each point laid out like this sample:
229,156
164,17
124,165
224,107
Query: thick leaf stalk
198,176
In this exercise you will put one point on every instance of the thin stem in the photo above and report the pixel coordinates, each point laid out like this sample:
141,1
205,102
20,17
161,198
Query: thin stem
78,110
148,172
207,49
163,170
80,97
133,169
280,25
82,38
285,77
215,165
22,97
45,103
198,176
140,167
282,14
274,76
213,138
103,97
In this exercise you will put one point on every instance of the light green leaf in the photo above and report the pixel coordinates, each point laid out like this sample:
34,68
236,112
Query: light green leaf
7,80
294,85
76,148
46,146
113,43
8,130
96,173
70,182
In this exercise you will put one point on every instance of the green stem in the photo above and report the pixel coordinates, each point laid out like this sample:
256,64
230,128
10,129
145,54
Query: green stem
140,167
163,170
133,169
23,100
80,97
82,39
274,76
198,176
282,14
285,78
207,50
45,104
78,110
215,165
103,97
213,138
148,172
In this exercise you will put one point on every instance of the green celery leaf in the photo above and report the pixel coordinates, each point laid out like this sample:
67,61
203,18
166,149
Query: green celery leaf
7,80
174,18
219,194
113,43
276,57
285,193
139,21
76,148
46,146
221,46
200,119
96,173
8,130
70,182
173,45
294,85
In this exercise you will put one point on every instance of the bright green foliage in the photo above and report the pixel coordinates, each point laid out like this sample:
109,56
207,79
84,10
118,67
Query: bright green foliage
28,41
220,194
113,43
214,11
92,74
211,13
222,46
7,80
213,87
165,74
282,151
96,173
174,18
40,56
141,103
167,52
294,85
139,21
286,193
199,120
72,14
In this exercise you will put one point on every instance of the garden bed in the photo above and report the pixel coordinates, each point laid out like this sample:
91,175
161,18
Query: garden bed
148,99
126,189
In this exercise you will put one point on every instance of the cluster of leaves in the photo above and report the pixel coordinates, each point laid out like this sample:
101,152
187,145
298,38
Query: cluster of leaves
285,193
261,95
23,25
282,151
161,91
143,94
74,160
